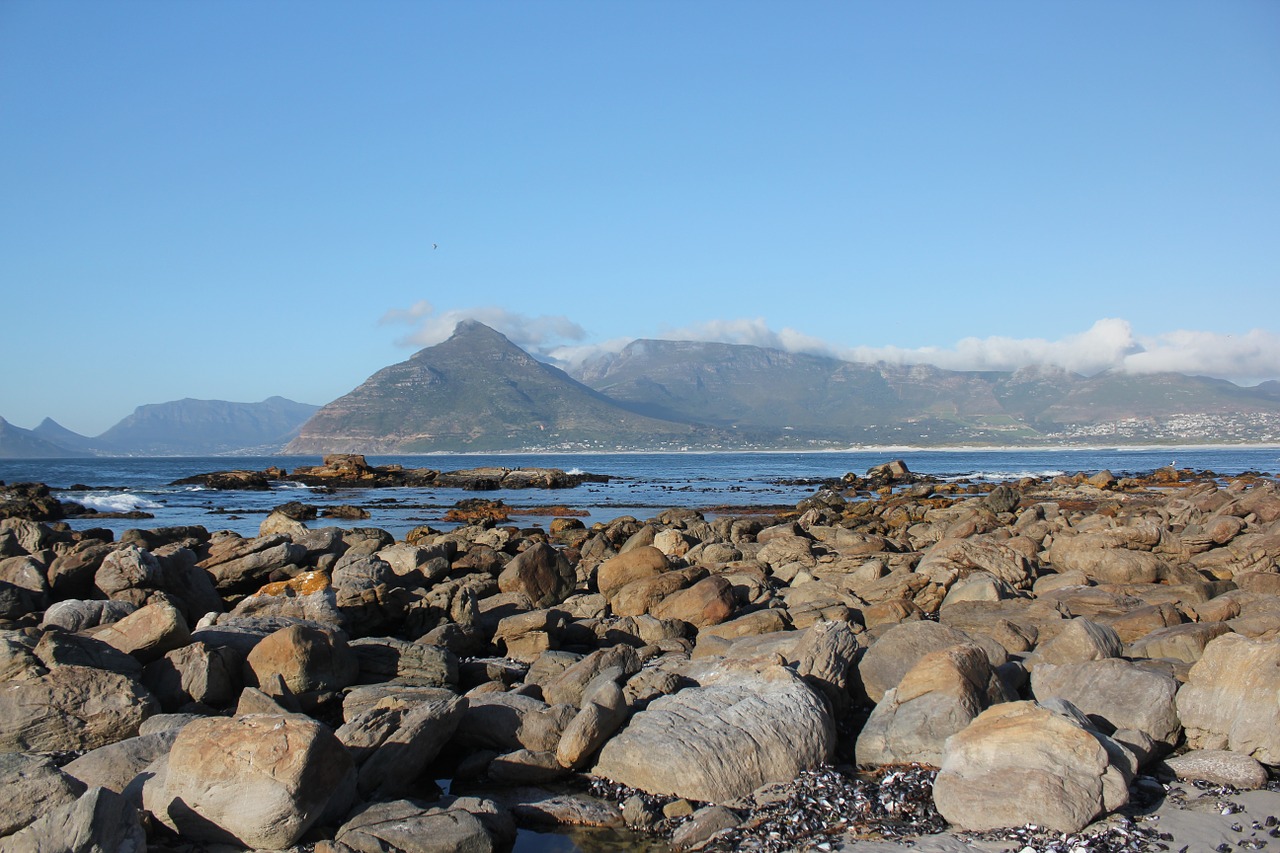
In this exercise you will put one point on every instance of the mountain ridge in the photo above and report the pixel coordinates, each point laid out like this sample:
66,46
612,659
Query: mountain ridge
479,392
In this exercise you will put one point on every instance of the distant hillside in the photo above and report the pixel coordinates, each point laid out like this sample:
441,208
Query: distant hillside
206,427
792,397
19,443
55,433
477,391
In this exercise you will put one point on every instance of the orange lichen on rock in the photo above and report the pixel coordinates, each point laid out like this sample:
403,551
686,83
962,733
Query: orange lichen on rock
304,584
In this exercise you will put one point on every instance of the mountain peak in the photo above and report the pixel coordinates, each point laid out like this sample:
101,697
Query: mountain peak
469,327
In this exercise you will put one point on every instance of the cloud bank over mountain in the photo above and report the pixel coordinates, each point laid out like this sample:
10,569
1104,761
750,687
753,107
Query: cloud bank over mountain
1109,344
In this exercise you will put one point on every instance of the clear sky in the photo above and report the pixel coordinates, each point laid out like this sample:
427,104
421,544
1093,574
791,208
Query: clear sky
232,200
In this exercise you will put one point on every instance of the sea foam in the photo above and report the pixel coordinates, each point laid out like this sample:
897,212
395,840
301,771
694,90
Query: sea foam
115,502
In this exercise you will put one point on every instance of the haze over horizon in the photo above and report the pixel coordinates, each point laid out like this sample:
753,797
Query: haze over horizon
235,200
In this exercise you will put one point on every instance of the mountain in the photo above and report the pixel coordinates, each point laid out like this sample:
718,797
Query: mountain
790,399
19,443
477,391
55,433
794,398
206,427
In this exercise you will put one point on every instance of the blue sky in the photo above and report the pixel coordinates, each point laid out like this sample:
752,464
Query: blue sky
230,200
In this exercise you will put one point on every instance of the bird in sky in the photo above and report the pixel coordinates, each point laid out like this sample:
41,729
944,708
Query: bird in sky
435,246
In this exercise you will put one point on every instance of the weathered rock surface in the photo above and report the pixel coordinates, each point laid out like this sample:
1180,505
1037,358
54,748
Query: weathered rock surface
32,785
938,697
100,820
72,707
1019,763
1229,700
723,739
1114,694
259,781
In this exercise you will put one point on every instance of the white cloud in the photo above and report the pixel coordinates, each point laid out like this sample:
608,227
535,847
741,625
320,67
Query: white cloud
755,332
421,308
1109,344
535,335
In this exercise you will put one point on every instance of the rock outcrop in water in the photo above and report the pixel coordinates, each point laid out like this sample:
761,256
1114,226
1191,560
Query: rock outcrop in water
351,470
1047,646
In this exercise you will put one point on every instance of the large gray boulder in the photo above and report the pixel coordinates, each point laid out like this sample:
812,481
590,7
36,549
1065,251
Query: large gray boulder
71,707
741,728
1115,694
100,821
32,785
1021,762
1229,700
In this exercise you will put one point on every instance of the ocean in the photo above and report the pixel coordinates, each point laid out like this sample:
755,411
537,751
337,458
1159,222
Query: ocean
641,484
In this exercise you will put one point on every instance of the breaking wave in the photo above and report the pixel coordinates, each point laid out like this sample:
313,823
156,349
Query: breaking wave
115,502
1000,476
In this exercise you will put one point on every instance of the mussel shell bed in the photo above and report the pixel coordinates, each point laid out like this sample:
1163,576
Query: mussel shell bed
823,806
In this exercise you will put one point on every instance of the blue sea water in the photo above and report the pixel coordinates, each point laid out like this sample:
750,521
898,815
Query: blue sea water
641,484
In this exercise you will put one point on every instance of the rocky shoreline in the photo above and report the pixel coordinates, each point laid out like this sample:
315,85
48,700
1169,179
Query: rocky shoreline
1075,663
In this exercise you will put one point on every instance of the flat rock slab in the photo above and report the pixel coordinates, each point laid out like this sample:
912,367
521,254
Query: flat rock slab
721,741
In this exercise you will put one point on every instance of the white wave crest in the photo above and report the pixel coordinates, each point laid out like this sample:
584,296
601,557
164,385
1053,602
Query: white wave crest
1001,476
115,502
575,471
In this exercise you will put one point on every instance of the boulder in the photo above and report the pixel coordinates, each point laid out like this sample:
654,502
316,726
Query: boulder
57,649
257,781
1217,766
115,765
540,572
507,722
635,564
1185,642
723,739
826,658
1079,640
32,785
567,687
888,659
72,707
937,697
405,826
23,587
75,615
128,567
1114,694
394,741
100,820
707,602
1103,559
599,718
199,672
147,633
420,664
1229,700
240,565
311,661
1020,763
